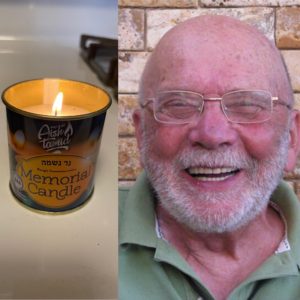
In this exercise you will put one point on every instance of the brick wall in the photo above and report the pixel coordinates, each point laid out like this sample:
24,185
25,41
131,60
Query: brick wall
143,22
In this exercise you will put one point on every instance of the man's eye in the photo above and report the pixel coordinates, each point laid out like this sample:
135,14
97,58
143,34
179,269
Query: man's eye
178,109
175,103
245,107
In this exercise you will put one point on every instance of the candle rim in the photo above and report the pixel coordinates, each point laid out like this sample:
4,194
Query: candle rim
58,117
53,117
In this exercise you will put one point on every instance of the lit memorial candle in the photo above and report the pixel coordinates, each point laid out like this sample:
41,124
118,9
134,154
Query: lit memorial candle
54,134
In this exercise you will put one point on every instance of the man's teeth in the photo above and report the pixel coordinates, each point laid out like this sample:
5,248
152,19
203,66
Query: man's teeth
212,174
210,170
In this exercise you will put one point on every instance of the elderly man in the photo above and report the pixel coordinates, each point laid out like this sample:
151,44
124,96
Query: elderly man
210,218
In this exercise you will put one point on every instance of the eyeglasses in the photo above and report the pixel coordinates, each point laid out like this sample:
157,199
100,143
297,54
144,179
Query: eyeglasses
242,106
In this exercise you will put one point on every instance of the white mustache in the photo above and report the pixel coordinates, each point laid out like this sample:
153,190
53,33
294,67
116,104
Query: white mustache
215,159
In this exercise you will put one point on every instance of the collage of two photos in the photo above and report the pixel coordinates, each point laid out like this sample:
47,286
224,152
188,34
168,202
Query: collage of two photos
150,149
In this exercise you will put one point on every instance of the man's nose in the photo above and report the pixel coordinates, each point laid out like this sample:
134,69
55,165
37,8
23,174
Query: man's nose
212,129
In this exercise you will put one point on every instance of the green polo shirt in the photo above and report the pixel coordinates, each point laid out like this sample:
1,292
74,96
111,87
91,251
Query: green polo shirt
151,269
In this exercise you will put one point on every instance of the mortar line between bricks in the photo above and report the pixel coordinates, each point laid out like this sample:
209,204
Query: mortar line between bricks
289,49
208,7
145,30
124,180
248,6
159,7
120,93
126,93
215,7
243,7
131,51
275,26
126,136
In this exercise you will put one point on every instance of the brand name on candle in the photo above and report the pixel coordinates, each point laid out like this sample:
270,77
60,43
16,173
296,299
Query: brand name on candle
55,137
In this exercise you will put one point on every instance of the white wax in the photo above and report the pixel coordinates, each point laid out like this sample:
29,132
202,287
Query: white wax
46,109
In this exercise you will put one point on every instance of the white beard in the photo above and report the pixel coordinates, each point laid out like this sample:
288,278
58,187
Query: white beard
215,212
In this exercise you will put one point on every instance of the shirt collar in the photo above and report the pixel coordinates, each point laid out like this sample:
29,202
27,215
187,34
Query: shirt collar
289,205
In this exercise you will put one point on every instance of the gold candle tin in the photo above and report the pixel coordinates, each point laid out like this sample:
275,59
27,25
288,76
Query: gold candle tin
53,150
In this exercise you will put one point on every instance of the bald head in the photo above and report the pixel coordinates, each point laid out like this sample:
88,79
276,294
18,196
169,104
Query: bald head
213,55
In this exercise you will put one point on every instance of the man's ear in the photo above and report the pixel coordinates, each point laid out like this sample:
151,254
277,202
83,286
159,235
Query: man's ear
294,144
137,121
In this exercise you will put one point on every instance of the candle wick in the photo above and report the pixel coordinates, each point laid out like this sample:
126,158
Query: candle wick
55,113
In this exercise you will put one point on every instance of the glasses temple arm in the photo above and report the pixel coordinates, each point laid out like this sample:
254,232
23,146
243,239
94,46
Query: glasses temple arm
148,100
281,102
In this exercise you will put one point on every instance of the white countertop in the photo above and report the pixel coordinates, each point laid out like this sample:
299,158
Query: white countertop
58,256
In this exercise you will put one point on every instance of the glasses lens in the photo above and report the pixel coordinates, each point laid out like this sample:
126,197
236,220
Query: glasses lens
248,106
177,107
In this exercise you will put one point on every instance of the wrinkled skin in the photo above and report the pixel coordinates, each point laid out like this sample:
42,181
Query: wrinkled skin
216,55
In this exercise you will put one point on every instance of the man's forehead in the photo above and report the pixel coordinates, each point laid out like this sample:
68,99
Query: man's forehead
213,37
203,65
208,52
212,28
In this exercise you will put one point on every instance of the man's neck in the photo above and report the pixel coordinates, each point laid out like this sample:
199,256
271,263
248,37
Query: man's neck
223,243
239,252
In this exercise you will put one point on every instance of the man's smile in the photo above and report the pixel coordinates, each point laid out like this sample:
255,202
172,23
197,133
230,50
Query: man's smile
212,174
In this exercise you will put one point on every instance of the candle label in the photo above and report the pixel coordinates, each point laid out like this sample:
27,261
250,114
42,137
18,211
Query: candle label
54,181
53,162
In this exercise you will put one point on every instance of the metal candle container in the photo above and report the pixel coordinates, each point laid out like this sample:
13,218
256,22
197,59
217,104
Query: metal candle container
54,134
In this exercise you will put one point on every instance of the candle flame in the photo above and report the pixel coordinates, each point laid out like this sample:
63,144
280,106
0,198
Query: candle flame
57,105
